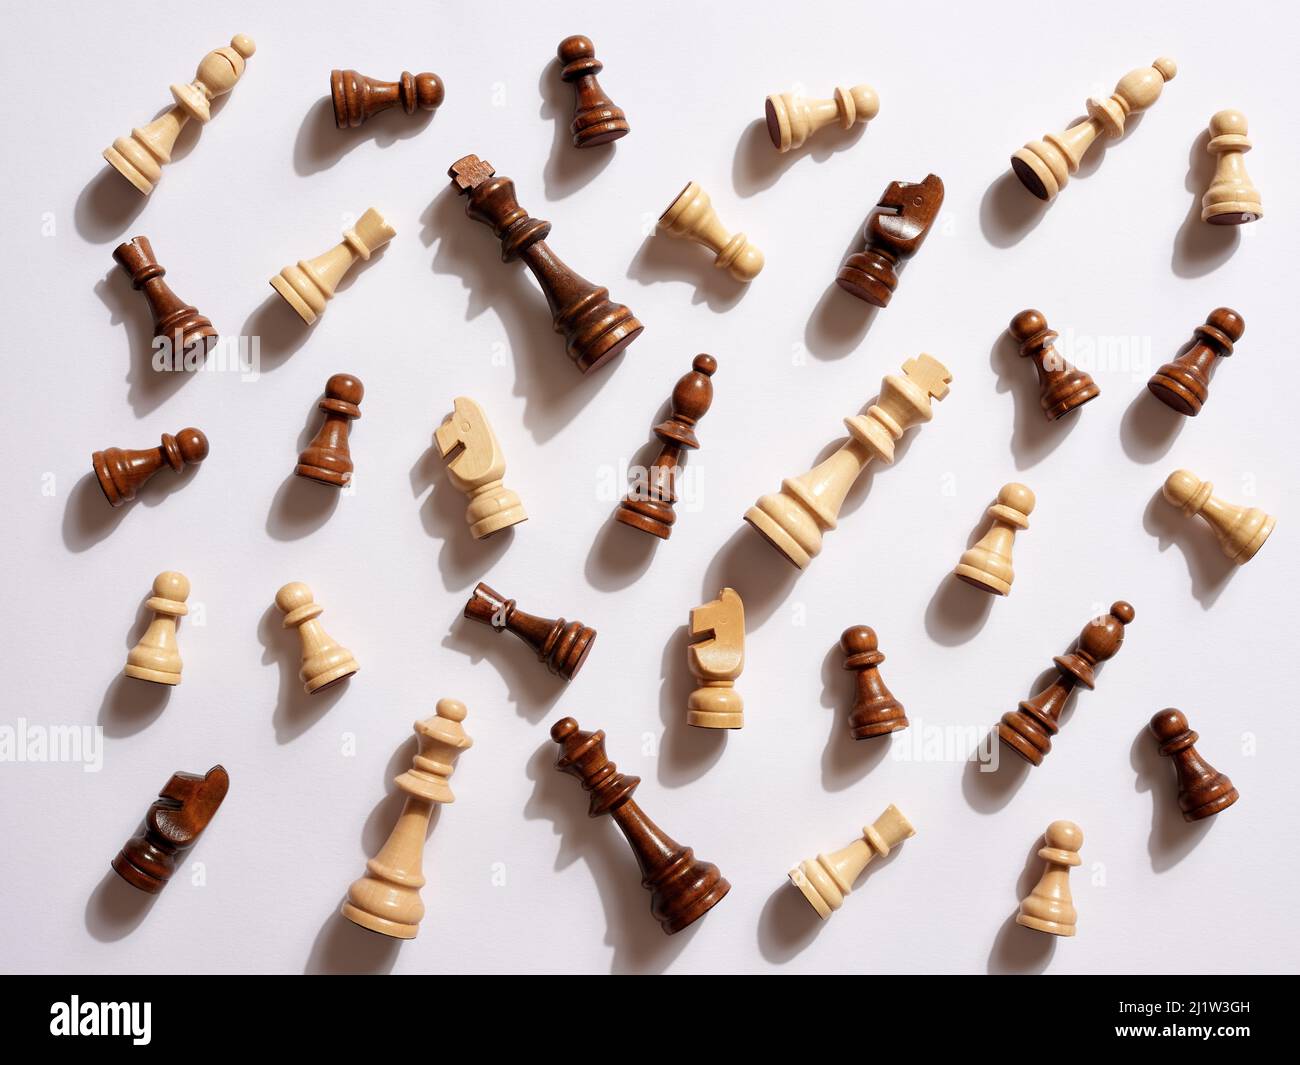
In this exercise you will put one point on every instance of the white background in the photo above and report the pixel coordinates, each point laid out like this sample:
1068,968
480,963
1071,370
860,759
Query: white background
519,878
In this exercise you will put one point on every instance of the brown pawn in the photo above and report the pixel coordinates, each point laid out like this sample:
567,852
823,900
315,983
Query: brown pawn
682,888
595,118
1029,730
175,322
648,506
595,329
1202,790
562,645
894,232
357,97
122,473
172,826
875,710
327,459
1184,384
1061,387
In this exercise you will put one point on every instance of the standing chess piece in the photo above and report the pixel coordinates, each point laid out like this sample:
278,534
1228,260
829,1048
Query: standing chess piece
691,217
1061,387
1241,531
476,465
156,657
562,645
1202,790
1029,730
893,233
1044,167
1184,384
875,710
793,118
717,655
828,878
649,504
140,157
595,118
595,328
178,328
682,888
1049,907
121,473
357,97
176,819
987,565
387,898
794,519
1231,199
308,286
324,662
328,458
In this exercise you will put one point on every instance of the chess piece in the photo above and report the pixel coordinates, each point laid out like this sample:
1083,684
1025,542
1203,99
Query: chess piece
387,898
156,657
793,118
691,216
176,819
828,878
122,473
649,504
308,286
893,233
1231,199
1061,387
1184,384
595,118
987,565
328,459
875,710
475,465
1241,531
1029,730
324,662
682,888
178,328
717,655
1049,907
562,645
140,157
595,328
794,519
357,97
1044,167
1202,790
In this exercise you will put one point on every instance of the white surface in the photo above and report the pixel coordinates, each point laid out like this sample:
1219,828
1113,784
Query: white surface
519,879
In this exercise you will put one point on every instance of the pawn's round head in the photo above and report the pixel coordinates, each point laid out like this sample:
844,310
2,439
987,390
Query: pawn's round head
243,44
1018,497
1027,324
1167,68
574,48
1181,487
866,104
1167,724
1228,322
1228,124
193,446
451,709
1122,612
1064,835
293,595
345,387
858,639
705,364
429,92
693,393
172,585
563,729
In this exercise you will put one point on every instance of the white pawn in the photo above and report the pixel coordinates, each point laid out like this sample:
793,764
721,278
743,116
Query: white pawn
691,216
793,118
309,285
324,661
828,878
157,657
1049,907
987,565
1231,199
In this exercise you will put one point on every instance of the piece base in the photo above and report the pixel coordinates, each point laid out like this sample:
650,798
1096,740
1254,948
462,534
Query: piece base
636,520
330,477
1213,807
1033,175
1061,408
385,927
763,524
698,908
601,131
879,728
715,719
1039,925
293,299
1014,741
985,582
1174,396
127,169
156,676
502,519
865,287
137,879
1252,548
608,345
325,680
1230,213
810,893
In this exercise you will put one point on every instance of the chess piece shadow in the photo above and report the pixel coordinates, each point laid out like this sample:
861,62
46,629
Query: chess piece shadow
989,786
787,924
530,687
567,168
1009,211
342,948
300,507
845,760
662,258
620,554
148,385
1200,247
1149,428
757,165
685,751
1017,949
839,323
1033,437
320,143
295,710
88,517
279,331
1172,839
957,612
1209,568
115,909
379,825
758,572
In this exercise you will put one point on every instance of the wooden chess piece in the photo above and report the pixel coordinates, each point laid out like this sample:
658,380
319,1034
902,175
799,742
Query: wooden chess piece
691,217
875,710
794,519
649,504
717,655
1241,531
793,118
1231,199
476,465
1202,790
156,657
987,565
357,97
177,327
122,473
1184,384
682,888
1044,167
328,458
893,233
1049,907
562,645
387,898
176,819
309,285
595,118
1029,730
1061,387
595,328
141,156
828,878
324,662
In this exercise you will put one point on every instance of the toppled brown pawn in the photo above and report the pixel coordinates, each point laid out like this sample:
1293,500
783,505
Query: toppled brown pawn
1061,387
122,473
875,710
595,118
1184,384
328,458
1202,790
357,97
562,645
176,325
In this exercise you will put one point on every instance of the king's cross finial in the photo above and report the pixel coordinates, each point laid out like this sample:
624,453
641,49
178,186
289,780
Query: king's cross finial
929,374
470,172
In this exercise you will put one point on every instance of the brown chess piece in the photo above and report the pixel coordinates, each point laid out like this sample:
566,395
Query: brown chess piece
595,329
682,888
562,645
122,473
357,97
176,324
1202,790
1029,730
875,710
648,506
327,459
595,118
1061,387
894,232
176,819
1184,384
